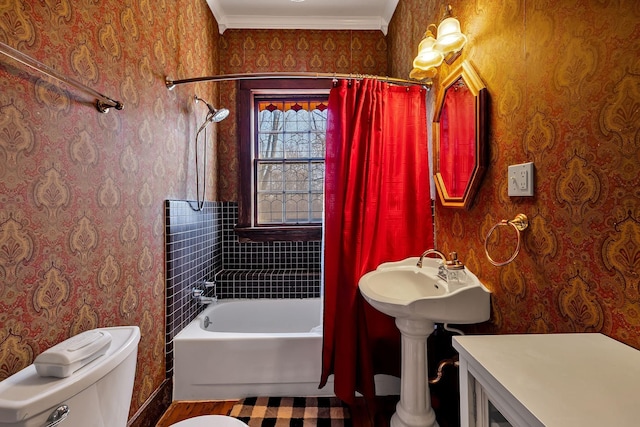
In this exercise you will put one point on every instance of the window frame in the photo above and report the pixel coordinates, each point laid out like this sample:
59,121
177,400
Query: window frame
246,89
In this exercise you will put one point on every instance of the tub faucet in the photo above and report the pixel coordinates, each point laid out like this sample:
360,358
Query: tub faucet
198,294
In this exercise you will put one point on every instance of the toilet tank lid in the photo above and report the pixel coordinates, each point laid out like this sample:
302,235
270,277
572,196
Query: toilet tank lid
26,394
66,357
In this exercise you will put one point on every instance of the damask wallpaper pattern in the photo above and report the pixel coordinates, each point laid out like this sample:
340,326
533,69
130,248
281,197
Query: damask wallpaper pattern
564,85
81,193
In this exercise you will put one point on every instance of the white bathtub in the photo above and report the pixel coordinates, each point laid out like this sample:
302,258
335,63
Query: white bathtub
259,347
262,347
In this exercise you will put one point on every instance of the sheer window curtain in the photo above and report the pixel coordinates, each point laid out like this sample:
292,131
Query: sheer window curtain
377,209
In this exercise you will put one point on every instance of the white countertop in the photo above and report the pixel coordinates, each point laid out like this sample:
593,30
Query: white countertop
562,380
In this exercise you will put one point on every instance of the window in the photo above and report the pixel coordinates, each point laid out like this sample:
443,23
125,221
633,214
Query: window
282,125
288,161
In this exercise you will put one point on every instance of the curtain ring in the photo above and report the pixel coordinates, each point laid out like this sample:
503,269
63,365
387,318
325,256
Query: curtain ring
519,223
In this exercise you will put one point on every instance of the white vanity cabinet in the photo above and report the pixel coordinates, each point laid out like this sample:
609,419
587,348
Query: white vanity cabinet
552,380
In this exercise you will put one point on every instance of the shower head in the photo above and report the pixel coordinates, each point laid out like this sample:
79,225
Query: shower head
218,115
214,115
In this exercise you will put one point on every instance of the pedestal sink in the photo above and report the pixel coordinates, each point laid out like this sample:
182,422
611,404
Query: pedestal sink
418,298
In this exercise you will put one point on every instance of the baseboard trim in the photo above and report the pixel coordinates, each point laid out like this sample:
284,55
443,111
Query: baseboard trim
154,407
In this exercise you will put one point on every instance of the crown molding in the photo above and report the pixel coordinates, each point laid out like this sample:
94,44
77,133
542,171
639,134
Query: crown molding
246,21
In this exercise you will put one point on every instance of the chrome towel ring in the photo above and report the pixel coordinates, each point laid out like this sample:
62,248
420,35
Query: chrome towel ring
519,223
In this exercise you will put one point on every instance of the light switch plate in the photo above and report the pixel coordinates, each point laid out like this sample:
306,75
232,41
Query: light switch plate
521,180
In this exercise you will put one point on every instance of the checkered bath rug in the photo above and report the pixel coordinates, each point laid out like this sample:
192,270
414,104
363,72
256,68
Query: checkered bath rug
292,412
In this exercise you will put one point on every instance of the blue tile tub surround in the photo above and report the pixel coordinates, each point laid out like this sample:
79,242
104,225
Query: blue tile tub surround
193,254
203,246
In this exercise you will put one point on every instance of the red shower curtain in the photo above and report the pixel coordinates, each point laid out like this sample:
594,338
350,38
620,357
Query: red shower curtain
377,209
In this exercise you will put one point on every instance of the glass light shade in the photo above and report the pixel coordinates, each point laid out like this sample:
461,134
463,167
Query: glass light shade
419,74
450,38
428,57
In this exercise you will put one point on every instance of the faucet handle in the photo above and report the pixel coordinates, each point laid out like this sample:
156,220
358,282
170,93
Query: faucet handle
454,263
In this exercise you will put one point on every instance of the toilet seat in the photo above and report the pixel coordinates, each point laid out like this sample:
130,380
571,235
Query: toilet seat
210,421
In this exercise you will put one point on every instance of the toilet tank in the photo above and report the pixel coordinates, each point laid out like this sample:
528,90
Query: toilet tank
98,394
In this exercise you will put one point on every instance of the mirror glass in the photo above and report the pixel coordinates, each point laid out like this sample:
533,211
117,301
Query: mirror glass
459,132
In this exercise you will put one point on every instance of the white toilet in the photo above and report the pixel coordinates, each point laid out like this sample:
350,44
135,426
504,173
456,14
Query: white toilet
86,380
210,421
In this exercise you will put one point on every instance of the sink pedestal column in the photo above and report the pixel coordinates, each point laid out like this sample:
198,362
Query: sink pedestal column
414,408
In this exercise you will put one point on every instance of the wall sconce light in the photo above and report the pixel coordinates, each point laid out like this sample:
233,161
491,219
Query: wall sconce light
433,50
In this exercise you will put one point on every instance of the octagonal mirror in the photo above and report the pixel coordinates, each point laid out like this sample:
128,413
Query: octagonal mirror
459,136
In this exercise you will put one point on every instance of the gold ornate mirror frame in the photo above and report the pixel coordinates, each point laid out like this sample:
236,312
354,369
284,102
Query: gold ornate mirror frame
463,77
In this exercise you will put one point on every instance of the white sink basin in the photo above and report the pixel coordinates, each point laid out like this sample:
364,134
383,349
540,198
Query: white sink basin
418,298
403,290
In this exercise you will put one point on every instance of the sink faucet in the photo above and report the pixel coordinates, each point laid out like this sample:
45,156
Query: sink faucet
441,269
448,268
431,251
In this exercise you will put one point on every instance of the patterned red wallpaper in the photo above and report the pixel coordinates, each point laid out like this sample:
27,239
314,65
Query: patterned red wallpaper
564,79
81,193
81,221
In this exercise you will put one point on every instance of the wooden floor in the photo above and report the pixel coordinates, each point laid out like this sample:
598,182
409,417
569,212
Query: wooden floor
182,410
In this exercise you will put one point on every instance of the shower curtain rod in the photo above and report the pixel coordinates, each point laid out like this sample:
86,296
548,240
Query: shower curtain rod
295,75
103,102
